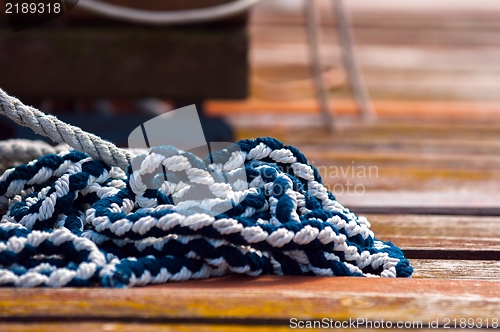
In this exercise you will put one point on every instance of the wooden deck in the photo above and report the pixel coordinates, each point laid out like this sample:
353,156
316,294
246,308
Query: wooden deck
421,165
434,76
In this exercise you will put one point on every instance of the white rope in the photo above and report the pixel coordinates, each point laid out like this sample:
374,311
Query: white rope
199,15
58,131
23,150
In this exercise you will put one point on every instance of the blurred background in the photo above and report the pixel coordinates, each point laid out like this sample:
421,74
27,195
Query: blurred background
431,69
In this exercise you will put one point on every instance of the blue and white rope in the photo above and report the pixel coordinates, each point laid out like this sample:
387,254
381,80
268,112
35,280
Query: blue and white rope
71,220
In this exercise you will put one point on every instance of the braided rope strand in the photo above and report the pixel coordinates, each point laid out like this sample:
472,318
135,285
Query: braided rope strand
23,151
60,132
117,234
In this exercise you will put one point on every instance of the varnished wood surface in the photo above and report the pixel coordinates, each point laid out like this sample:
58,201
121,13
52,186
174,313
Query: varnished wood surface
435,227
264,300
143,327
451,161
63,327
446,50
441,237
477,110
456,269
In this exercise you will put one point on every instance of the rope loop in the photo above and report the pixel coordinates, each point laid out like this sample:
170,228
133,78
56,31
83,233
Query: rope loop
72,220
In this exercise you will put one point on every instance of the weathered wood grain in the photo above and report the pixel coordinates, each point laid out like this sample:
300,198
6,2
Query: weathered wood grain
407,203
456,269
140,326
403,128
394,137
418,52
427,210
478,111
441,237
402,159
431,226
422,145
428,158
146,327
265,299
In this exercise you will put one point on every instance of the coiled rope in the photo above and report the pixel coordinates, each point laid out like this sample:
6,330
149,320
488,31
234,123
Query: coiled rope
85,218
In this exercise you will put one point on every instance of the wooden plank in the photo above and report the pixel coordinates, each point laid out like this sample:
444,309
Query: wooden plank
146,327
267,299
448,23
392,136
463,227
456,269
143,327
15,327
448,162
401,158
402,128
485,111
418,40
419,53
381,143
428,210
425,181
474,15
459,245
456,42
383,190
440,237
404,202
